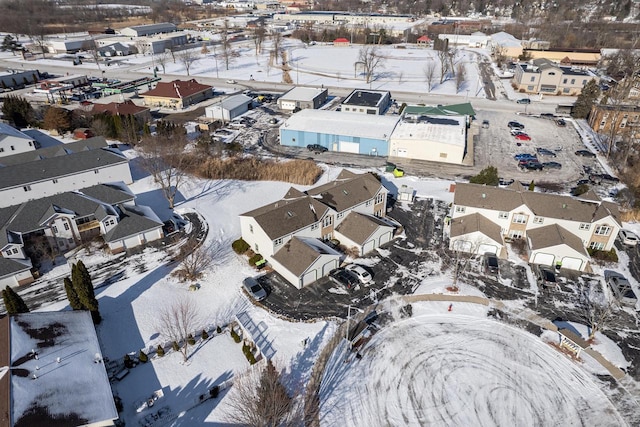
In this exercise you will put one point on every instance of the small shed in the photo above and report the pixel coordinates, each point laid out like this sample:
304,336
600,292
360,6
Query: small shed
424,41
341,42
229,108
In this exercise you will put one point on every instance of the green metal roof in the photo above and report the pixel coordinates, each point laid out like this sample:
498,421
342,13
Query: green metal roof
443,110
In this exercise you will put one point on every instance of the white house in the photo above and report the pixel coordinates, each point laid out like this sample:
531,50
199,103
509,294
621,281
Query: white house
302,261
558,229
364,233
12,141
14,272
229,108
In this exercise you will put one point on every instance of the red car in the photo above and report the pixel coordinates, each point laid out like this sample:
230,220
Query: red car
523,137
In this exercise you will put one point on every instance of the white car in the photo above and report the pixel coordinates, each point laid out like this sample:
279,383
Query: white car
231,82
628,238
363,275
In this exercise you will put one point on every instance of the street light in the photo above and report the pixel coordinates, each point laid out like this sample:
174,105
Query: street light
348,320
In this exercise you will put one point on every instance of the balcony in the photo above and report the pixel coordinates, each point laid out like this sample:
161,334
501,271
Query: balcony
88,226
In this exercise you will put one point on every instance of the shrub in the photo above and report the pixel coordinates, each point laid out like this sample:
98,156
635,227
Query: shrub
128,363
302,172
487,176
235,336
191,340
406,311
143,357
175,346
160,351
240,246
213,391
205,335
246,349
606,256
254,259
580,189
219,330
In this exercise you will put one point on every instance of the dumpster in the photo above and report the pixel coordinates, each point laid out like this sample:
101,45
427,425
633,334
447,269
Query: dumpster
398,172
261,264
390,167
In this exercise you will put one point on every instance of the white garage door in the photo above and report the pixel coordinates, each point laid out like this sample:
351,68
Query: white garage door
544,259
572,263
385,238
462,246
309,278
482,249
331,265
369,246
349,147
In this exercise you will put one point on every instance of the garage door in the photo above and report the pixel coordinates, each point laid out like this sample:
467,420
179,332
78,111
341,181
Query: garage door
328,267
572,263
462,246
349,147
309,278
368,246
482,249
544,259
385,238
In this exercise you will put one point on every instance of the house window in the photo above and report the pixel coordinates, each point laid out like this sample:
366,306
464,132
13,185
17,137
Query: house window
328,220
516,234
584,226
529,88
368,203
597,246
30,144
603,230
573,81
55,229
564,81
255,246
277,241
55,181
460,209
340,215
443,155
27,188
379,198
15,251
66,226
250,228
565,90
520,219
8,253
327,236
96,171
1,149
13,148
503,215
584,82
314,226
538,220
533,78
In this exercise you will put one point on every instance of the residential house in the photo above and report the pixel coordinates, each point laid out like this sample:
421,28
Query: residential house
12,141
57,169
558,229
544,76
52,372
177,94
291,234
300,98
367,102
126,108
229,108
15,272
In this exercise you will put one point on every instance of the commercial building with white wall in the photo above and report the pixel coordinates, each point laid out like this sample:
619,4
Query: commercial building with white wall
303,97
228,108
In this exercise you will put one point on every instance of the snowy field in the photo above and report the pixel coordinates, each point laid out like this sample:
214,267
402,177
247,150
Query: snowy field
459,368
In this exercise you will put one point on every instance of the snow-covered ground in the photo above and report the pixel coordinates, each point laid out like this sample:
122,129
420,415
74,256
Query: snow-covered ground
442,368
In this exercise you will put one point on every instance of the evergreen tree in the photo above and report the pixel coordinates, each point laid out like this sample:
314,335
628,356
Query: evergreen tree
72,296
274,402
589,95
81,281
13,302
487,176
17,110
9,43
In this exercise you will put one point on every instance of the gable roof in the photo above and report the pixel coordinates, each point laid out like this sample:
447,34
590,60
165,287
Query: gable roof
424,39
9,267
53,167
347,191
468,224
177,89
113,194
132,222
540,204
7,130
234,101
299,253
360,227
119,108
288,215
554,235
55,151
341,40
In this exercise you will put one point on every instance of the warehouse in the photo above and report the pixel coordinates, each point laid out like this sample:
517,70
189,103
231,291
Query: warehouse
348,133
229,108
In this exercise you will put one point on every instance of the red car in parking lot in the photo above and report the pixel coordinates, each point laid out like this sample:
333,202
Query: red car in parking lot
523,137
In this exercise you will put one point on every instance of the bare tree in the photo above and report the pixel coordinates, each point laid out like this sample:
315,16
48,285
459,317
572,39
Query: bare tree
259,34
161,59
371,61
167,159
94,51
204,49
187,57
195,259
443,57
177,321
142,47
461,77
276,47
500,54
595,310
259,399
225,44
430,73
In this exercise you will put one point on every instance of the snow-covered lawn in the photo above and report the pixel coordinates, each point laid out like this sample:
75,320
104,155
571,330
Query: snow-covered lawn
459,368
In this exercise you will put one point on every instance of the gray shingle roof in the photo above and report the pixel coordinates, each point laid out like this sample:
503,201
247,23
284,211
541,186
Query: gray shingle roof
359,227
475,222
112,194
347,191
554,235
9,267
131,224
299,253
54,151
53,167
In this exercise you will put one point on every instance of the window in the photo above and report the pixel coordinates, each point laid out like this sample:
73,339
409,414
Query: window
30,144
1,149
515,234
8,253
598,246
584,226
533,78
603,230
552,73
55,229
15,251
503,215
565,90
564,81
340,215
328,220
460,209
27,188
530,88
573,81
96,171
255,246
538,220
55,181
277,241
520,219
584,82
314,226
368,203
443,155
66,226
250,228
379,198
13,148
327,236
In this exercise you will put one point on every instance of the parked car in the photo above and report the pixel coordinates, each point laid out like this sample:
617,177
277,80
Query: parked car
514,125
523,137
552,165
620,287
585,153
317,148
231,82
254,289
628,238
525,156
344,277
545,152
516,131
524,101
561,122
363,275
491,263
545,276
485,124
531,166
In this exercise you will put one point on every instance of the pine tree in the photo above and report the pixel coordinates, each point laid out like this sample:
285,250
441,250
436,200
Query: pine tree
274,402
72,296
13,302
9,303
588,96
81,281
160,351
